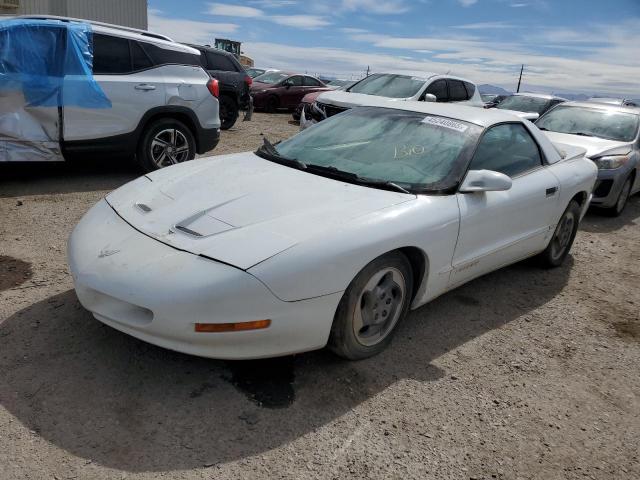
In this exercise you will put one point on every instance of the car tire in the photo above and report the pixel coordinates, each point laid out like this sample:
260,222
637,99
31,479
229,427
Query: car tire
621,201
229,112
271,104
565,233
372,307
156,140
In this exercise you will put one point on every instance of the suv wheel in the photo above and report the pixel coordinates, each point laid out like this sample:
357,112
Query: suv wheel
228,112
165,142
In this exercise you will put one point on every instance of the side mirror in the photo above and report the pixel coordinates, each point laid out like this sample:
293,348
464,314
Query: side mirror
430,97
485,181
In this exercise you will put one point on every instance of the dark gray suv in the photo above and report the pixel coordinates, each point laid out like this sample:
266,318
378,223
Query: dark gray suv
234,83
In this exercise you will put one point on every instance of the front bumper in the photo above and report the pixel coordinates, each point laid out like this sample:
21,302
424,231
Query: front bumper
608,186
156,293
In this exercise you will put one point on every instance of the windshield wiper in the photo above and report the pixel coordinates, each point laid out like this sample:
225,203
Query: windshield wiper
270,152
352,177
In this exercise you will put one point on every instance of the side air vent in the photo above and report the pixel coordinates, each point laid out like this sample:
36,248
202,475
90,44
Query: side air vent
143,207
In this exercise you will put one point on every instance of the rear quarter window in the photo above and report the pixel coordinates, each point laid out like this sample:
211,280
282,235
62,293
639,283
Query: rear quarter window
164,56
219,62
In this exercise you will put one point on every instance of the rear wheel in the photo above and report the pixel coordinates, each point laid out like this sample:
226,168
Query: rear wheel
165,142
625,193
373,305
563,237
228,112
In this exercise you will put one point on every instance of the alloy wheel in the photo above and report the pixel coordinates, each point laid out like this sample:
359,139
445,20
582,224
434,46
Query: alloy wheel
168,147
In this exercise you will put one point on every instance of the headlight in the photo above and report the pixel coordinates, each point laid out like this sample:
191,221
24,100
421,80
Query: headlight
611,162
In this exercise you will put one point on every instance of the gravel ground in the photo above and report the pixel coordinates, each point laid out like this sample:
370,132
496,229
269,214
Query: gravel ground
521,374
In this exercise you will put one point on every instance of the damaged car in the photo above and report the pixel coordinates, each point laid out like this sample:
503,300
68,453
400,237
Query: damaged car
274,90
76,89
611,136
329,237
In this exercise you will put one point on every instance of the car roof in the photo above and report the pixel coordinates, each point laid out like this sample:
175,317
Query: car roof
209,48
604,106
423,75
539,95
120,31
479,116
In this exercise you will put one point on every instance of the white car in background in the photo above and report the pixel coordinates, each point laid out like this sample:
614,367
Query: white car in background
430,87
329,237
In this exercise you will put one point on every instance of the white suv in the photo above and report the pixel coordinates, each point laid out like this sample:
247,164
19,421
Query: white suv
164,106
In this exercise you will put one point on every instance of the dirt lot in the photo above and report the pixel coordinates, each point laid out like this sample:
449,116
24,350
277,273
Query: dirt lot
521,374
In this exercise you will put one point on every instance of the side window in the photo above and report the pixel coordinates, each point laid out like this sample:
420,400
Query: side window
296,80
164,56
140,59
507,148
311,82
219,62
439,89
110,55
457,92
471,89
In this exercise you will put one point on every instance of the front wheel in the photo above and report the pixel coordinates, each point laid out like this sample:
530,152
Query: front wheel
563,237
625,193
373,305
165,142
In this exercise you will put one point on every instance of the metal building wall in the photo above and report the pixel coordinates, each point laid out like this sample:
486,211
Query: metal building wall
131,13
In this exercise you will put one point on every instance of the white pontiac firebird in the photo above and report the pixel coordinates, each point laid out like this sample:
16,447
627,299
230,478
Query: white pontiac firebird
331,236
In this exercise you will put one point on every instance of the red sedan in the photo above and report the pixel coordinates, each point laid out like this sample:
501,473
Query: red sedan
275,90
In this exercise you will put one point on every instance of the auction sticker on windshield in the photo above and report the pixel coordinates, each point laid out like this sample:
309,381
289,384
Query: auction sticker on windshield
446,123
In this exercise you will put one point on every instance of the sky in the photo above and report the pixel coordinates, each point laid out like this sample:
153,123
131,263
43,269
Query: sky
577,46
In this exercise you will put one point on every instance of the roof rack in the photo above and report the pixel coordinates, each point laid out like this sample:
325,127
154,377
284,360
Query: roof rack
102,24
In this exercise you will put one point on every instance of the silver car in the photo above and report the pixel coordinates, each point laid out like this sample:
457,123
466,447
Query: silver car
611,136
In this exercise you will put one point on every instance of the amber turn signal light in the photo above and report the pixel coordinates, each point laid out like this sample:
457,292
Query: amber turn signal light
232,327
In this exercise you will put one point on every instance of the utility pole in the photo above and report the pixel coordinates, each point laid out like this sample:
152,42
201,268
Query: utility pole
520,79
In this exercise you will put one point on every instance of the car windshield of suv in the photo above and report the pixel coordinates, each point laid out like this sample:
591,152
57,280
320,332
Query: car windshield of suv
389,85
271,77
522,103
416,151
591,122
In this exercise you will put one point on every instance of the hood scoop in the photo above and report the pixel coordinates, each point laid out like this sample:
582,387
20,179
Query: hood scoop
202,224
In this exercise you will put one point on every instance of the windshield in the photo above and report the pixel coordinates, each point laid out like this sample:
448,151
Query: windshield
595,122
414,150
254,72
387,85
271,77
521,103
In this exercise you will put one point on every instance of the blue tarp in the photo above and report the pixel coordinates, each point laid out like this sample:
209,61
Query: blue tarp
51,62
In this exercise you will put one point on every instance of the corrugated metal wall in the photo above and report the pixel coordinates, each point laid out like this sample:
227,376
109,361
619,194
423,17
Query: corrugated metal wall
132,13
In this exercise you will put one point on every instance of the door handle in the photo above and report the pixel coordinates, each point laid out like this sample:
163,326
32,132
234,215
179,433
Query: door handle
145,86
551,191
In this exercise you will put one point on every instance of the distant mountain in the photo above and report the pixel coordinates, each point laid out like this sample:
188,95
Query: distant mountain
492,90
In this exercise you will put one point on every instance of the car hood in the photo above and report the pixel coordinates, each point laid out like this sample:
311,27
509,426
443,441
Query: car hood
595,147
241,209
349,100
526,115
